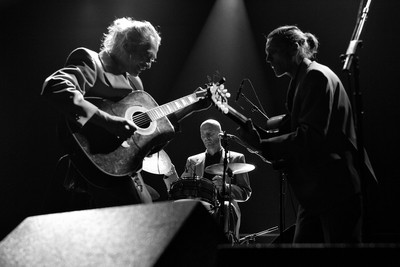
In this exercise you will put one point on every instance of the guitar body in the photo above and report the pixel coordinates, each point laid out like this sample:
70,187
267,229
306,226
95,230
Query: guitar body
111,155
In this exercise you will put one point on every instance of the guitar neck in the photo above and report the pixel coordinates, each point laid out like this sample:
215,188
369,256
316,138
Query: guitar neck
272,124
171,107
241,120
236,116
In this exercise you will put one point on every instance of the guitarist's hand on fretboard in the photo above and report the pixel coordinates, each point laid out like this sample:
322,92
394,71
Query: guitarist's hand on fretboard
204,103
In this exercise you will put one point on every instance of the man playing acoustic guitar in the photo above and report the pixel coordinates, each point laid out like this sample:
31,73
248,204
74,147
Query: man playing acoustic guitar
111,135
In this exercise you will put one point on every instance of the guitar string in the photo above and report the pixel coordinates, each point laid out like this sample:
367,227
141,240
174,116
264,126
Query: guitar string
151,115
146,117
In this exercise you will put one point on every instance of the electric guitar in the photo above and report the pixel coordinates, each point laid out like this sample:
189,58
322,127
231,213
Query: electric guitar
114,157
274,125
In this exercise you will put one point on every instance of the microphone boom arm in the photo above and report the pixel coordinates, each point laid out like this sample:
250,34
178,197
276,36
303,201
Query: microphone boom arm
254,107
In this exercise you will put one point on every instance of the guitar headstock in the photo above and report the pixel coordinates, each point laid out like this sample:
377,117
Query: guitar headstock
219,95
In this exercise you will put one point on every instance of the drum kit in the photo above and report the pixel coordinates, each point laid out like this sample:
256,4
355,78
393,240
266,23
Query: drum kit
192,187
199,188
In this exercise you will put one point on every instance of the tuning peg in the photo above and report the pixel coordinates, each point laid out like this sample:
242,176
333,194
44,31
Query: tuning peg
221,81
222,107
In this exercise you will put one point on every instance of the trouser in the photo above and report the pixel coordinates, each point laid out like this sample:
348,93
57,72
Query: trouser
339,224
107,191
125,191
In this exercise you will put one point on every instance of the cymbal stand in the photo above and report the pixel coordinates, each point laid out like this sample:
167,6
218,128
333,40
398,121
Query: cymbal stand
252,237
226,198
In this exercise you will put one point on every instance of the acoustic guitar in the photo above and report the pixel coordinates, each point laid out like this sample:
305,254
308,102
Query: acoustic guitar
114,157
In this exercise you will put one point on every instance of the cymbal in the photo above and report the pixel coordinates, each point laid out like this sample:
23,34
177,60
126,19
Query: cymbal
157,163
236,168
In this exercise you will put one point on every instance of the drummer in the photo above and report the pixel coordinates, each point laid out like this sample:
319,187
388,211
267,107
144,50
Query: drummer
240,190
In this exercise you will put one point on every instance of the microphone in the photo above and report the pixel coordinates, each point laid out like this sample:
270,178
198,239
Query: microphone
239,91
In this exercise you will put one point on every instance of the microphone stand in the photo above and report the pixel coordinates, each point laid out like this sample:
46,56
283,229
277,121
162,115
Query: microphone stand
351,66
254,107
226,198
282,178
277,165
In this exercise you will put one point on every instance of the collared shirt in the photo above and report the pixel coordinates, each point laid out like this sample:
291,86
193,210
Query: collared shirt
210,160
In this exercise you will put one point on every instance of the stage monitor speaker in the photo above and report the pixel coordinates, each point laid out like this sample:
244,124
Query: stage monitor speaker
159,234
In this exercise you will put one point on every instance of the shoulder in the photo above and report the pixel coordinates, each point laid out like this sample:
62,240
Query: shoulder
320,76
234,154
81,56
196,157
316,75
319,70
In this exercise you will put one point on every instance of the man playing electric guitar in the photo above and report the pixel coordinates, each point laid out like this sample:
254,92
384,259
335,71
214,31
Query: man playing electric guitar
110,138
321,148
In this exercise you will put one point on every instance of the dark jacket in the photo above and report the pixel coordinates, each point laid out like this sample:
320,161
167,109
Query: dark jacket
320,147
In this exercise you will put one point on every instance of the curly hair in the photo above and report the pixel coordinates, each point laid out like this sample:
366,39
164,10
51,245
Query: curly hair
125,33
308,43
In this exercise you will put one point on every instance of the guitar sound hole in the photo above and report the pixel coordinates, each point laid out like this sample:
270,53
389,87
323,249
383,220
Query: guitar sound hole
141,119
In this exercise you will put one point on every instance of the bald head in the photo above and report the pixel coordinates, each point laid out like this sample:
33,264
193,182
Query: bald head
209,133
210,123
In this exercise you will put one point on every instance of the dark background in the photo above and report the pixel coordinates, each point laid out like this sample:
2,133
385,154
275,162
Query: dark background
200,39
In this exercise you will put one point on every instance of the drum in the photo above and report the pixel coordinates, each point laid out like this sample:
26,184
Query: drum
195,188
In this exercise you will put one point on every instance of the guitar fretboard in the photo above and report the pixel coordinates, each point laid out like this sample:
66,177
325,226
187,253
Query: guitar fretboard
171,107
